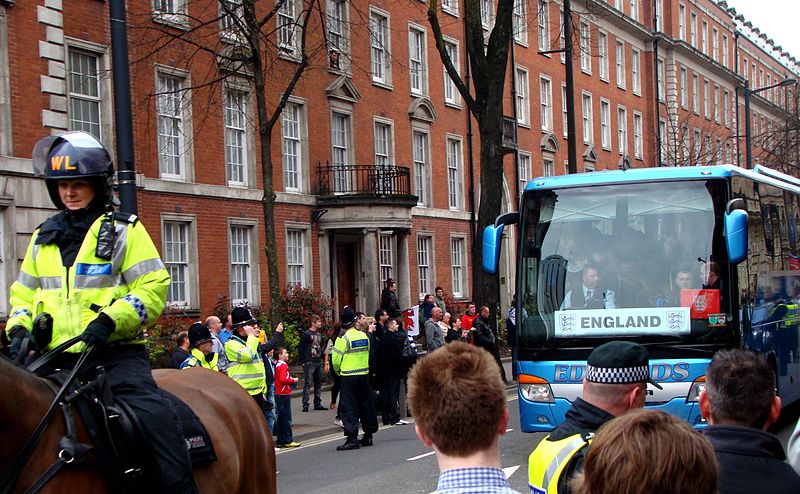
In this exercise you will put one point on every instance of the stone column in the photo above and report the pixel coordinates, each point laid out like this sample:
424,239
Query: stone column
403,278
370,275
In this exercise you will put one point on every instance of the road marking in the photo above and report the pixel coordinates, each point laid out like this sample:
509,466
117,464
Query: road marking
509,430
509,471
421,456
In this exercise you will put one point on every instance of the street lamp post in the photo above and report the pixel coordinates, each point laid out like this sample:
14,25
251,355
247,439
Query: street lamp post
748,148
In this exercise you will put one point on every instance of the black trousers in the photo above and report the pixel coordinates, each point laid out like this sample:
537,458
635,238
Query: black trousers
356,403
390,398
129,376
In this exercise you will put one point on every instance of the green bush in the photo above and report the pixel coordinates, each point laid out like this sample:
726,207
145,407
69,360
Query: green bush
160,337
297,305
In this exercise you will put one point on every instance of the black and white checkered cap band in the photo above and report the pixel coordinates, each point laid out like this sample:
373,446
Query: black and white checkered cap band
619,375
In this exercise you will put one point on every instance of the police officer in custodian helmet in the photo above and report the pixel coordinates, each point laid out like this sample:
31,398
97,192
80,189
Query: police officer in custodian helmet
96,273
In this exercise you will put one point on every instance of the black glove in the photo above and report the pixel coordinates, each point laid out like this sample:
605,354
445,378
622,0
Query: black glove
98,331
21,340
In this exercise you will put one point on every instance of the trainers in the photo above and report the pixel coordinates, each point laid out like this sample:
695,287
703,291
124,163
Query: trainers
292,444
319,407
338,422
400,422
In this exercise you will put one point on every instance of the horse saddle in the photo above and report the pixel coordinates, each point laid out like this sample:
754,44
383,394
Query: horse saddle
121,446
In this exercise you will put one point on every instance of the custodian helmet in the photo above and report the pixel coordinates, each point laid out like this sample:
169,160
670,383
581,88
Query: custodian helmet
71,156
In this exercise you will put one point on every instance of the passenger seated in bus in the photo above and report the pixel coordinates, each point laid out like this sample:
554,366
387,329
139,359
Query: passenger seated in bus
683,279
589,295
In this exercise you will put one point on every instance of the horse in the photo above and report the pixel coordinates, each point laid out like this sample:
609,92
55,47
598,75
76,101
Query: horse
236,425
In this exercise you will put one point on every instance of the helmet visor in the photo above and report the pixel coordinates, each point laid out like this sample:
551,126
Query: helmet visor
79,154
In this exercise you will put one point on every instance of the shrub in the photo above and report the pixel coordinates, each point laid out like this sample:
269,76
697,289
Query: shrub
297,305
160,337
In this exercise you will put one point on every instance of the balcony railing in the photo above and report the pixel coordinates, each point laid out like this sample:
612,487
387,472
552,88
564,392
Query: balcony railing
389,180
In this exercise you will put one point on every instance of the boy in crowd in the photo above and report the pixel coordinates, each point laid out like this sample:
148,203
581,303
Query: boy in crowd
283,396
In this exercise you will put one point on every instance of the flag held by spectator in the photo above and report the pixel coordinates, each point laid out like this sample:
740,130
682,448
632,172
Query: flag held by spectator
411,320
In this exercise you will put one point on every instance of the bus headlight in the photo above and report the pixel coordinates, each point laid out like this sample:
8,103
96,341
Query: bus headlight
698,386
535,389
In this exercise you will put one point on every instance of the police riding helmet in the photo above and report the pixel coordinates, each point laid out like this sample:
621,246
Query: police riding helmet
74,155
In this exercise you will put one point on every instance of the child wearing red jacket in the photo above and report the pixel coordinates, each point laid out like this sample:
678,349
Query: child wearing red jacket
284,383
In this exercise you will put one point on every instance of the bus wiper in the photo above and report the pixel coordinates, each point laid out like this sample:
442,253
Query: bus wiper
679,344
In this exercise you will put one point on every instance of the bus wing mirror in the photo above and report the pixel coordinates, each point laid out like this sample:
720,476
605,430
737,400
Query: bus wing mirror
492,238
736,235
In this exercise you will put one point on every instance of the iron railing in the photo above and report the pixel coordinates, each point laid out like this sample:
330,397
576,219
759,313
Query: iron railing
363,179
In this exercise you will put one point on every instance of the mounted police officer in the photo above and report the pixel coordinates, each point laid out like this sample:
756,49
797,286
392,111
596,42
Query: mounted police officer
614,382
91,272
202,345
351,361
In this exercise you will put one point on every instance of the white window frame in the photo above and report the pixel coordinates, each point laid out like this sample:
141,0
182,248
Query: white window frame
171,12
341,149
179,113
288,29
682,21
587,121
695,93
704,37
715,43
620,63
451,95
450,7
693,29
662,150
662,96
421,155
636,73
638,138
520,22
241,253
725,50
659,15
707,99
548,167
380,47
585,47
717,112
622,129
605,124
383,142
635,10
458,266
546,103
487,14
337,33
523,96
602,54
561,42
455,175
564,109
86,92
524,163
184,266
417,60
228,11
543,28
293,129
726,108
684,88
386,256
297,255
236,124
425,264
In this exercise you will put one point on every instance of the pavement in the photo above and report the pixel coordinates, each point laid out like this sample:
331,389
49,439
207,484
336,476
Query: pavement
317,423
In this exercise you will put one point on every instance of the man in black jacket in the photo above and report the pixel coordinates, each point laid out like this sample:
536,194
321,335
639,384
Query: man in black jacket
391,370
739,403
389,301
310,351
484,336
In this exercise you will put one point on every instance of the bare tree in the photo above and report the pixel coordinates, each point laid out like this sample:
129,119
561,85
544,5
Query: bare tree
691,140
258,41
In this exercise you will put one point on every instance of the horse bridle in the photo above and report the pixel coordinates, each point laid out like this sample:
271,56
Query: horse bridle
70,450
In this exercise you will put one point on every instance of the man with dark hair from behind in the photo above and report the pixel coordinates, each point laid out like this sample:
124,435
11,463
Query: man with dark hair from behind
739,404
443,390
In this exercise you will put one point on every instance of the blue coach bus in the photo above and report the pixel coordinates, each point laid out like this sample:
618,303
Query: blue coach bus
685,261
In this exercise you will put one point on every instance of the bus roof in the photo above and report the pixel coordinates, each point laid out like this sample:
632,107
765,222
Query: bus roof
608,177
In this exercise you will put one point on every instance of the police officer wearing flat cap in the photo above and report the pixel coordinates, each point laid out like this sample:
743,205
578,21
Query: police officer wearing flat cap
202,349
351,362
92,272
615,381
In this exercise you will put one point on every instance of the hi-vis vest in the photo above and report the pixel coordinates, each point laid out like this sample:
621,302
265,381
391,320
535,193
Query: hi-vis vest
130,288
197,359
245,365
550,458
351,354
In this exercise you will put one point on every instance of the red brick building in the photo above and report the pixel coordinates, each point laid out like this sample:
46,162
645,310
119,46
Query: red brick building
375,161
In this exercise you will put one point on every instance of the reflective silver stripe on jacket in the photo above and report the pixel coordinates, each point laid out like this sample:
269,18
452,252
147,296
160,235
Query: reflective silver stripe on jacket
120,247
355,371
96,281
560,457
50,282
28,281
140,269
248,376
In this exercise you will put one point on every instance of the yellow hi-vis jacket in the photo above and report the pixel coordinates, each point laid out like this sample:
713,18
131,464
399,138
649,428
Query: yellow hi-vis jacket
131,288
351,354
549,459
245,365
198,359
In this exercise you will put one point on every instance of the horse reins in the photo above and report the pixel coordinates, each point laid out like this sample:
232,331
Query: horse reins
68,452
